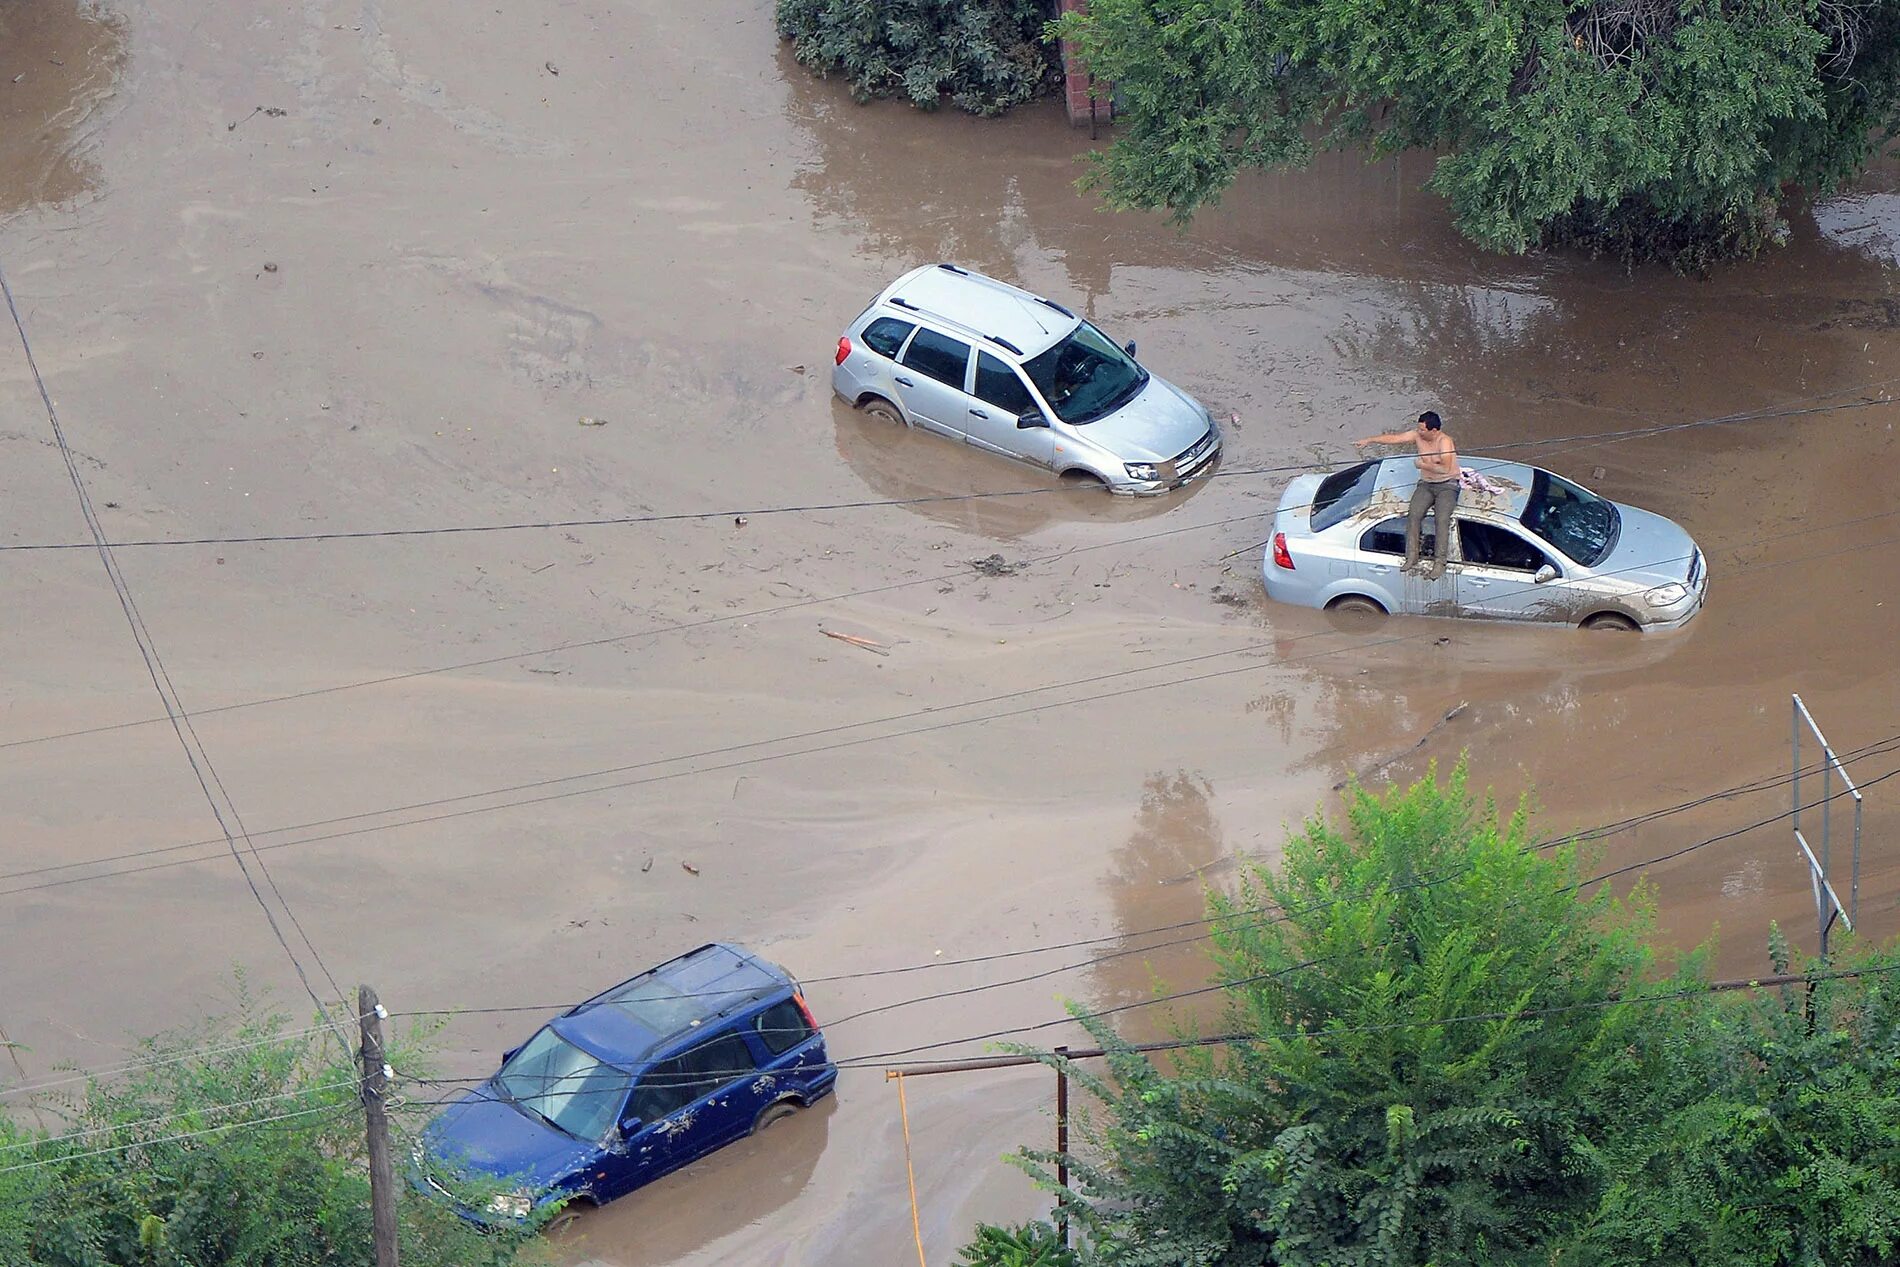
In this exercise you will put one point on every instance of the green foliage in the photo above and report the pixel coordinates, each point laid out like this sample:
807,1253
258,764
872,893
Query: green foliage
159,1169
1458,1057
985,55
1661,129
1030,1245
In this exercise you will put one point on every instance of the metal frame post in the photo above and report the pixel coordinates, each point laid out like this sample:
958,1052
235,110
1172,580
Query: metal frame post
1828,907
1062,1147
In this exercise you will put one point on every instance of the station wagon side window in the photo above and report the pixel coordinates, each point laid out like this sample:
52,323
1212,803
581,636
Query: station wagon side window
781,1027
886,336
938,355
670,1085
1388,537
1488,545
997,384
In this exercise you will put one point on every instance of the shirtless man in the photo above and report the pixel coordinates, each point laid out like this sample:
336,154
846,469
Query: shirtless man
1437,489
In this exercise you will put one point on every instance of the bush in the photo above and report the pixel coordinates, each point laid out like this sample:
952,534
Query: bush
985,55
157,1170
1458,1058
1653,129
1029,1245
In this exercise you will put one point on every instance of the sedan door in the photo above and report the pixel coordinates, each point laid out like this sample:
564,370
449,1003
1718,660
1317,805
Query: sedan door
1498,576
1000,398
930,380
1377,562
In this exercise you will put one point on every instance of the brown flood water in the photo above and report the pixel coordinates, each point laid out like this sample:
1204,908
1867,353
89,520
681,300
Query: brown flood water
357,266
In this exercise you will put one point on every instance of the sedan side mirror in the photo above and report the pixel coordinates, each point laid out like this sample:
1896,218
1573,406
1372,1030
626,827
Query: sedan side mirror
1030,418
1546,573
1129,347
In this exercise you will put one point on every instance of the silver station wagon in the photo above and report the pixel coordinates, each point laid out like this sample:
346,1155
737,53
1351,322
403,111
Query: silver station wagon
1529,545
995,367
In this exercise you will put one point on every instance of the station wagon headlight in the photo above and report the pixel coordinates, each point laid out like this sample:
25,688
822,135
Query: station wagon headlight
1141,470
1663,595
511,1205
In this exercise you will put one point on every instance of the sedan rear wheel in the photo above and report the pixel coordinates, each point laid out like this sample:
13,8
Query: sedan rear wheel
1356,605
1612,621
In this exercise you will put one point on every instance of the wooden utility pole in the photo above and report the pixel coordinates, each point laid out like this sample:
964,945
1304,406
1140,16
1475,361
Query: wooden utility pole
382,1167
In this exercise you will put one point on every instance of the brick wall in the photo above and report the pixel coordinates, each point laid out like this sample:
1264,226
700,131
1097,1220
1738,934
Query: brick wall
1075,80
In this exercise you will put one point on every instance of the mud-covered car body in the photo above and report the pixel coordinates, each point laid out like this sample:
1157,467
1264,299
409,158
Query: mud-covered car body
1529,546
987,364
626,1087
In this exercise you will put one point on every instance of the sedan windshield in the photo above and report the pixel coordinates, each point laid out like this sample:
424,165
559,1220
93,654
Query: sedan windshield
554,1080
1085,376
1581,524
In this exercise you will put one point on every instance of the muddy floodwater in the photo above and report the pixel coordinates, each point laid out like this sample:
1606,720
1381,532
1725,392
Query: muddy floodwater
348,267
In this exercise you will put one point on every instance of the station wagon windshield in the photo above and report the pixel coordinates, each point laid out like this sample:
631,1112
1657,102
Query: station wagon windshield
1085,376
1581,524
551,1079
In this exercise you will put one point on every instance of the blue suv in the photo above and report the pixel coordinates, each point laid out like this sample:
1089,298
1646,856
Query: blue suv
628,1086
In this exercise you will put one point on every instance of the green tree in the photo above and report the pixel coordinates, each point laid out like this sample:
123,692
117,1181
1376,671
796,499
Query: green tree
985,55
1457,1056
238,1143
1660,129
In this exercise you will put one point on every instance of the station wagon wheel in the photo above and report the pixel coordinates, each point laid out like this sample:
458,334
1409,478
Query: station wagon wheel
1078,479
884,411
771,1113
1611,621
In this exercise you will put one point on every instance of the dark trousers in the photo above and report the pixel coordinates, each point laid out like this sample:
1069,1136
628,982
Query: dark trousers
1439,497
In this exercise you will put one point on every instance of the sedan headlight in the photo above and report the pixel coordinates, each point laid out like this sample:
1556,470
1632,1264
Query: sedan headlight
511,1205
1141,470
1663,595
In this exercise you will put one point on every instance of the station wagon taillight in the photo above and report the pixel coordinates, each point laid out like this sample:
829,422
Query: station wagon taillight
844,349
1281,559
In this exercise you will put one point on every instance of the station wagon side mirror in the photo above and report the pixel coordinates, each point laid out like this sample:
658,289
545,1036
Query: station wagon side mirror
1129,347
1030,418
1546,573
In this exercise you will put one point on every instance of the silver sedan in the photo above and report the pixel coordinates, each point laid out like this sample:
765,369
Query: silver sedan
1528,545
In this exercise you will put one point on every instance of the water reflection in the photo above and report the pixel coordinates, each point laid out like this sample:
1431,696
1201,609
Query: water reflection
729,1190
1157,880
60,62
911,465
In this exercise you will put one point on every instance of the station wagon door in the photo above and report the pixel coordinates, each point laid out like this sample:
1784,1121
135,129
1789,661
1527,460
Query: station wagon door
990,421
930,379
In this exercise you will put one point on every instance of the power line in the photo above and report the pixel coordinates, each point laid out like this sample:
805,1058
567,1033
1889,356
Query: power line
209,1109
247,1124
1599,437
195,754
173,1058
1266,917
717,752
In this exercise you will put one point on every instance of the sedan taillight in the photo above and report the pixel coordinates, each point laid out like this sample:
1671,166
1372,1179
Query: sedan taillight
1281,559
844,349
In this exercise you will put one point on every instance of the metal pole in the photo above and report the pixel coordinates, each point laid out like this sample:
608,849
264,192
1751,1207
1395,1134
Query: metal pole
1062,1148
382,1169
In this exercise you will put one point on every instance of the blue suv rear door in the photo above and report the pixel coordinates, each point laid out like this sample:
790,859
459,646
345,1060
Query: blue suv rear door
686,1106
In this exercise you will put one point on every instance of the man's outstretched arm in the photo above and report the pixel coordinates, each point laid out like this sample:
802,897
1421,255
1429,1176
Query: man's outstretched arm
1391,437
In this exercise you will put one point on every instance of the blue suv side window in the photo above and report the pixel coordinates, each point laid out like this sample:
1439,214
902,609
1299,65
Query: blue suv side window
781,1027
670,1085
886,335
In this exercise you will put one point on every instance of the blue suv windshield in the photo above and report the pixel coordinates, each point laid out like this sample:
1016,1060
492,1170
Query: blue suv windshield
1579,523
1085,376
554,1080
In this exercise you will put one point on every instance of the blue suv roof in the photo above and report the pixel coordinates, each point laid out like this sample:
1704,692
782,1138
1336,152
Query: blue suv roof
635,1019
